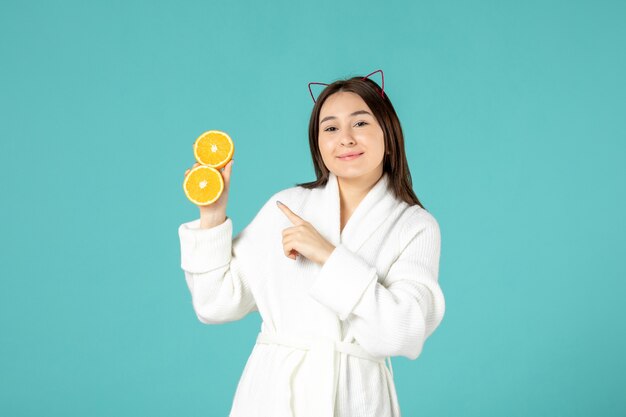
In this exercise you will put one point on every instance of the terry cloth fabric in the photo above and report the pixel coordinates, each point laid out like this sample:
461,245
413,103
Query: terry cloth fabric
326,329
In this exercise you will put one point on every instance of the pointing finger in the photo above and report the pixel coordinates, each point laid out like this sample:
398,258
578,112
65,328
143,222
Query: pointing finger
293,217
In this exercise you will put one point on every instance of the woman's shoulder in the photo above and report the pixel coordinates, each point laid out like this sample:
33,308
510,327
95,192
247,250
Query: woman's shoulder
291,195
414,220
420,214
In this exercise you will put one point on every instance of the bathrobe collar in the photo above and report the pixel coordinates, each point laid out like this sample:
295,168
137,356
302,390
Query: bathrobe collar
366,218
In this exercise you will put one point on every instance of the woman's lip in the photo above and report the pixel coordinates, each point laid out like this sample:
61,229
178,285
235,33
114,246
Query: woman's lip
349,157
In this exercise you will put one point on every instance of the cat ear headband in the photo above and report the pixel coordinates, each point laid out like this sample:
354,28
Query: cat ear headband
382,91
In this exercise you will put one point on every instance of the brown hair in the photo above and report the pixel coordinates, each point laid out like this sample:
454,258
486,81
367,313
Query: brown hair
394,162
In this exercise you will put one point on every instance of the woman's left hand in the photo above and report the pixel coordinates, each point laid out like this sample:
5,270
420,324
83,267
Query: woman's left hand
304,239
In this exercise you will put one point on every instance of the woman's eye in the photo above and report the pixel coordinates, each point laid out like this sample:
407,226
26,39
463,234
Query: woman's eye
332,127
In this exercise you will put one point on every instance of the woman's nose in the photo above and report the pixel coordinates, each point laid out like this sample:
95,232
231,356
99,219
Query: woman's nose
347,139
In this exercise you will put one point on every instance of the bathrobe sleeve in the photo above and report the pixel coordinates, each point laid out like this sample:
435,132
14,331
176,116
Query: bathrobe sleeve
394,315
218,268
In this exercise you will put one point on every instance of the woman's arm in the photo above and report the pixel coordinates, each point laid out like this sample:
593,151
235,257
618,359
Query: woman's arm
218,268
392,318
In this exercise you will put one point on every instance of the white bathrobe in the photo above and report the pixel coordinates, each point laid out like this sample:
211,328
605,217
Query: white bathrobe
327,329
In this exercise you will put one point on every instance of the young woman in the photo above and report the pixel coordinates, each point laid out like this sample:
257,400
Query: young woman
343,270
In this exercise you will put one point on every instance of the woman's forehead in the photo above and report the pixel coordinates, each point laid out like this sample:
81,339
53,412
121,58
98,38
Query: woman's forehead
343,103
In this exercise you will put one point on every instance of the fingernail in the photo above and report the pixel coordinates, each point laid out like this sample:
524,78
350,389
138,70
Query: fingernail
278,203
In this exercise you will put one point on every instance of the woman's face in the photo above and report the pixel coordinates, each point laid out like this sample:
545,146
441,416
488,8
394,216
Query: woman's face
348,126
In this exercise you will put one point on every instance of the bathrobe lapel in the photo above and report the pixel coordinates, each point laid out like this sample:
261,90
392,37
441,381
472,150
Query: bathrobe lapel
321,365
366,218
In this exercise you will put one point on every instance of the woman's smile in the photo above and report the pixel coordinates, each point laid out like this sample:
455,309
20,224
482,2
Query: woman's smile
349,157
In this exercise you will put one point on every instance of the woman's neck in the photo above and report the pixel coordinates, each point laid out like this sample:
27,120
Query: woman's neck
352,191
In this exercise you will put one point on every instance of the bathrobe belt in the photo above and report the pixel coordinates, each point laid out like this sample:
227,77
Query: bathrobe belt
323,368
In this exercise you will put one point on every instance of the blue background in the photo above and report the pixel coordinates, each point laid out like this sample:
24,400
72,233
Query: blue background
514,117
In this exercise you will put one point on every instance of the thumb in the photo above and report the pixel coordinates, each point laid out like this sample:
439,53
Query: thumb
226,172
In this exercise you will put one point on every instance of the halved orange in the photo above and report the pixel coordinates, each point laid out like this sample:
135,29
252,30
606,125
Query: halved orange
203,185
214,148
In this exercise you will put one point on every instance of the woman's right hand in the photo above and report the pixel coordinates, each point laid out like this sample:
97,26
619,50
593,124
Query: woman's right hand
216,212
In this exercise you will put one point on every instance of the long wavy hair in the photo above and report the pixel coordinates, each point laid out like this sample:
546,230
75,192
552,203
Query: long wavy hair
394,162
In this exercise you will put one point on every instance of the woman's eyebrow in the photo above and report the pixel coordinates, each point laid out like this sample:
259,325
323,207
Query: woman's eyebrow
351,114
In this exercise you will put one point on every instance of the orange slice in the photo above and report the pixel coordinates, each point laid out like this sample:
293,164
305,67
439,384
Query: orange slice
203,185
214,148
